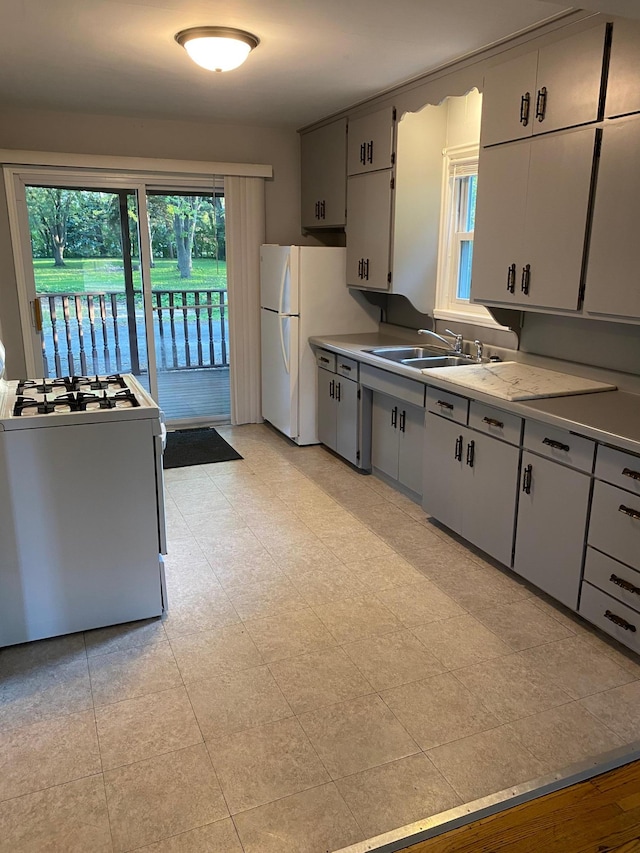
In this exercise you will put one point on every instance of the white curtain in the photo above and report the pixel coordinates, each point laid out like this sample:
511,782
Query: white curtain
245,233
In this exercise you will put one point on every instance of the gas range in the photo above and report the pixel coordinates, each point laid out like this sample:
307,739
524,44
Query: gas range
73,400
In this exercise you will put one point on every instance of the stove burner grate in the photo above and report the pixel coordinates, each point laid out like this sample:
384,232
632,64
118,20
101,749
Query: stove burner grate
75,401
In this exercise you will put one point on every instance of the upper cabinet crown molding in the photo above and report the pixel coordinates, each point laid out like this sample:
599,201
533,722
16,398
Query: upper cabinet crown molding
558,86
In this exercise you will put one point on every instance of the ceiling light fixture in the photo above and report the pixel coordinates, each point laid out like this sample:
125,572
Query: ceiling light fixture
217,48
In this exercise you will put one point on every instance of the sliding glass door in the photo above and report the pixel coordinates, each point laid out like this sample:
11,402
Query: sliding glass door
128,279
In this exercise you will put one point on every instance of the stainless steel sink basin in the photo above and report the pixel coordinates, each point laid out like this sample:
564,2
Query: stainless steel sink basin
437,361
404,353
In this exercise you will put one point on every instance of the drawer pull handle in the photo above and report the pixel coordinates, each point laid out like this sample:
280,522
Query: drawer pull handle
494,422
443,404
526,479
627,472
627,510
618,620
626,585
557,445
345,367
324,360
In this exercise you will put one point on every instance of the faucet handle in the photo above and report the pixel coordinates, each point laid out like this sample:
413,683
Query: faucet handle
479,348
458,337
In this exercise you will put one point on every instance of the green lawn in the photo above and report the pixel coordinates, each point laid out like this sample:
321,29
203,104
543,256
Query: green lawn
91,275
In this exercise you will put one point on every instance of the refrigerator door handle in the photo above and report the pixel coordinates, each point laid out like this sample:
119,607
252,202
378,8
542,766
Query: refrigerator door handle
286,269
281,320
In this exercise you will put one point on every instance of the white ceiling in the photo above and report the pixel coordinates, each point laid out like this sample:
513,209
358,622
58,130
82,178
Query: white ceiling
315,57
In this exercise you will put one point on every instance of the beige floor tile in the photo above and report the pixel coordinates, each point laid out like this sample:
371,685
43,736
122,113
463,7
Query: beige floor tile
237,571
317,679
118,638
308,822
203,523
203,612
385,572
619,709
44,692
354,618
381,516
393,659
563,736
72,818
438,710
162,796
357,734
32,658
133,672
579,666
419,603
351,547
266,598
397,794
238,701
461,641
211,654
477,588
315,555
289,634
267,763
48,753
323,587
511,687
522,624
485,763
218,837
141,728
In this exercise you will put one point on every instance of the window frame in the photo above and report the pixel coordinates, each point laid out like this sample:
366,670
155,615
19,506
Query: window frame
458,161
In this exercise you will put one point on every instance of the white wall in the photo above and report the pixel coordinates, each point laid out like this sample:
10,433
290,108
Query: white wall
118,135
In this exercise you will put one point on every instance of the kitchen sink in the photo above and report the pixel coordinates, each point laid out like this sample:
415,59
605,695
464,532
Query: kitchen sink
404,353
437,361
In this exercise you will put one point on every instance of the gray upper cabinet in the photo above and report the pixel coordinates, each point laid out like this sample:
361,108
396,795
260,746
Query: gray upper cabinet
623,85
371,142
531,221
369,202
323,155
556,87
612,272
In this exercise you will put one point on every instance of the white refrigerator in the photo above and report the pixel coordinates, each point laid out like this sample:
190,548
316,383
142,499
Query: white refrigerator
303,293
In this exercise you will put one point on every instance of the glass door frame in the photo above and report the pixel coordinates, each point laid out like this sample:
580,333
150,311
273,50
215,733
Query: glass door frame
17,178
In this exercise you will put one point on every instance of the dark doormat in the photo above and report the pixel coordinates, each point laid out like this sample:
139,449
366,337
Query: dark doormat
196,447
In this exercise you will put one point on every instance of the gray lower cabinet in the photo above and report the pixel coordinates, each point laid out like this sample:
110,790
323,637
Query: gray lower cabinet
338,412
470,484
551,527
397,437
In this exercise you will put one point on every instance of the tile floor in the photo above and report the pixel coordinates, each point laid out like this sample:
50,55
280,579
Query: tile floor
334,665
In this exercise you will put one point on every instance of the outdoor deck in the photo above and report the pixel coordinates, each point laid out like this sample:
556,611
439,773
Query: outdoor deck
195,394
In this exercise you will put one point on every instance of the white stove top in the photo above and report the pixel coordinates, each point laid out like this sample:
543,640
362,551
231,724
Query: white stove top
73,400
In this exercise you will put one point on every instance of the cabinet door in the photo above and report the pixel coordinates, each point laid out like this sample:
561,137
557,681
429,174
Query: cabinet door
327,409
557,208
550,533
500,212
443,470
347,444
490,494
323,155
508,100
384,434
623,83
369,199
568,82
410,447
612,273
371,142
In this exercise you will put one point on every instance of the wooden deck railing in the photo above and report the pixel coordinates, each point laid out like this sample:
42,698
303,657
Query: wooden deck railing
94,332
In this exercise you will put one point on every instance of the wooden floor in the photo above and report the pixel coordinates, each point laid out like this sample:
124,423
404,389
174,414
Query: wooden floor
189,394
601,815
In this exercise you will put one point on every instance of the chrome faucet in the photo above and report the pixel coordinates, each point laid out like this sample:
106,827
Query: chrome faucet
479,348
457,346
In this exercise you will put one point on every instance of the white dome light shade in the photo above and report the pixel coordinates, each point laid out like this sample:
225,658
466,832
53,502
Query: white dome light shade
217,48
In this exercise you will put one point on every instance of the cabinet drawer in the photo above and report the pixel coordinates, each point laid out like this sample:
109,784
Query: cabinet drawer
560,445
495,422
615,523
347,367
612,577
448,405
619,468
390,383
615,618
326,360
